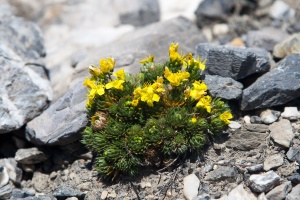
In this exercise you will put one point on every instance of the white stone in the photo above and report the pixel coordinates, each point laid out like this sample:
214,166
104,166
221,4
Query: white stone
273,161
234,125
291,113
220,29
4,177
247,119
104,194
264,182
240,193
269,116
282,132
279,9
190,186
262,196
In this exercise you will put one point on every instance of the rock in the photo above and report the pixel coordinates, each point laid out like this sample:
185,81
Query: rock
28,168
255,120
40,181
280,192
294,178
291,113
14,172
294,194
25,89
269,116
137,13
260,128
246,140
265,38
294,154
255,169
5,192
233,62
277,87
104,194
264,182
282,132
30,156
222,173
210,11
240,193
262,196
237,42
273,162
190,186
247,119
4,178
65,118
64,191
220,29
17,194
281,10
234,125
225,88
288,46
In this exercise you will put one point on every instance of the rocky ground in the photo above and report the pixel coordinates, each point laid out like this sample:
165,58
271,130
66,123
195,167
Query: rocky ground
252,52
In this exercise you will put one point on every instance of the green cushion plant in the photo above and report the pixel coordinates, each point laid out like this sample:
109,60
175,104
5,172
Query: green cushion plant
148,118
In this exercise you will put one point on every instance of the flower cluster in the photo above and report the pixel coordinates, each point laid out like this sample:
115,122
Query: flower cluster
160,113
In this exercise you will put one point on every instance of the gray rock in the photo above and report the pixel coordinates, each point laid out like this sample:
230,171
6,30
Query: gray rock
62,122
203,197
222,173
255,169
30,156
5,192
138,13
294,178
65,191
225,88
17,193
294,154
281,10
260,128
40,181
280,192
282,132
190,186
240,193
210,11
264,182
269,116
246,140
255,120
24,86
291,113
262,196
265,38
234,125
14,172
4,178
288,46
273,162
233,62
294,194
277,87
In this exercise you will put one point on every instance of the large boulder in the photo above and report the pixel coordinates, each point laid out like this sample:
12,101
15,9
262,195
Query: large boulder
233,62
64,120
277,87
24,85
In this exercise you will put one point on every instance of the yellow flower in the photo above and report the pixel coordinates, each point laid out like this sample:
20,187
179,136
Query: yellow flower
94,71
120,74
148,59
89,83
187,93
118,84
193,120
89,102
137,93
176,78
107,65
148,95
96,89
199,90
189,60
158,85
204,102
174,55
225,116
135,102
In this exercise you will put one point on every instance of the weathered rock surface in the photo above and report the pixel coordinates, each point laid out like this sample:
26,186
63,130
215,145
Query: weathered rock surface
30,156
240,193
269,116
293,154
190,186
233,62
138,13
222,173
62,122
221,87
273,162
24,86
4,177
280,191
288,46
5,192
282,132
65,191
291,113
265,38
294,194
246,140
14,172
277,87
264,182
